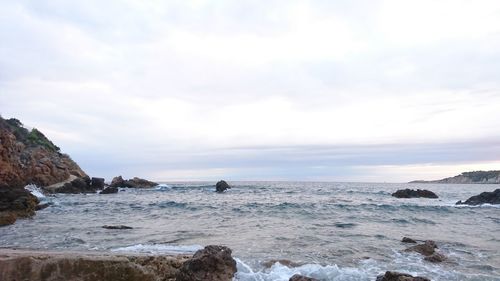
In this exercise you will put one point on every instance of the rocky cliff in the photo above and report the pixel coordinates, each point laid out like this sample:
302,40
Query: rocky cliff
28,157
484,177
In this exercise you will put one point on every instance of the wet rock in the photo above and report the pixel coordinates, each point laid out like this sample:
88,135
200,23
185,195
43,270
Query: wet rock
42,206
221,186
117,227
298,277
426,249
287,263
81,266
435,258
397,276
97,183
410,193
132,183
483,198
408,240
109,190
78,185
213,263
16,203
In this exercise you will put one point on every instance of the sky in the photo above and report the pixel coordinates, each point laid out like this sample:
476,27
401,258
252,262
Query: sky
382,91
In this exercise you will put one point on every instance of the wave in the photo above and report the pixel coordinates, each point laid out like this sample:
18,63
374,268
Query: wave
159,249
35,190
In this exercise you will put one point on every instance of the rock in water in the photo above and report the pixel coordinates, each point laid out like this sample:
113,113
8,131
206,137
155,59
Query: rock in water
16,203
397,276
117,182
109,190
435,258
221,186
426,249
483,198
410,193
97,183
298,277
213,263
408,240
132,183
78,185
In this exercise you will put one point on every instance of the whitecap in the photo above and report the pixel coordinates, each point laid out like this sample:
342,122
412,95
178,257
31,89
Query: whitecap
35,190
159,249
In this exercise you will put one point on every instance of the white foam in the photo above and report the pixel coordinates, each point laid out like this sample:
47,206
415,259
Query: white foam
35,190
163,187
279,272
159,249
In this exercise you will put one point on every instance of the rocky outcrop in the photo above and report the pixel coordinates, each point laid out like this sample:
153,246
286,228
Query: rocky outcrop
78,185
55,266
481,177
213,263
109,190
483,198
16,203
132,183
410,193
28,157
298,277
97,183
428,249
222,186
397,276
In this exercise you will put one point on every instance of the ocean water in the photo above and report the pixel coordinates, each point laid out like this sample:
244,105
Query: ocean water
336,231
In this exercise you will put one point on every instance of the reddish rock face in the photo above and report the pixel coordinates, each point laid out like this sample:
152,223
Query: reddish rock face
29,157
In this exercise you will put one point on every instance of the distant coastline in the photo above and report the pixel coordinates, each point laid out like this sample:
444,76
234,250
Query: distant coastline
475,177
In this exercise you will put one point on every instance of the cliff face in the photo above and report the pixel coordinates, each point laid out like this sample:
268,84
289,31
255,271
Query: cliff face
482,177
28,157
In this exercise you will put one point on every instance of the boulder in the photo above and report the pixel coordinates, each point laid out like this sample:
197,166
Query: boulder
132,183
410,193
117,182
408,240
97,183
109,190
221,186
435,258
213,263
426,249
397,276
16,203
483,198
298,277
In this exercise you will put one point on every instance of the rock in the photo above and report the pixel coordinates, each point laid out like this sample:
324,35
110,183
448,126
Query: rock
117,182
54,266
132,183
435,258
298,277
109,190
7,218
408,240
42,206
16,203
213,263
78,185
28,157
397,276
410,193
287,263
483,198
426,249
97,183
221,186
117,227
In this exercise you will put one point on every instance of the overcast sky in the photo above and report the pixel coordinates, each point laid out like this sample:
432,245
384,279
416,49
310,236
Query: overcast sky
258,90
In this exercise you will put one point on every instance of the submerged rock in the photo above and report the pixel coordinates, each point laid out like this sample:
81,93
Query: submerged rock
435,258
213,263
483,198
408,240
16,203
410,193
43,206
221,186
117,227
109,190
397,276
426,249
132,183
298,277
85,266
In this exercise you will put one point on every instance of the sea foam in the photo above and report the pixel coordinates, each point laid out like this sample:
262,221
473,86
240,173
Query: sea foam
159,249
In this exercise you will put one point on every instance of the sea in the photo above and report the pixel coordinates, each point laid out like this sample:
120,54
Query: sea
332,231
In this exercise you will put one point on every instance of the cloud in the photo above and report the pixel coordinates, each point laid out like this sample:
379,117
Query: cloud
127,83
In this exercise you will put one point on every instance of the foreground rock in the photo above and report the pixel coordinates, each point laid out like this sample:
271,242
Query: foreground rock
298,277
91,266
397,276
410,193
16,203
213,263
483,198
221,186
132,183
